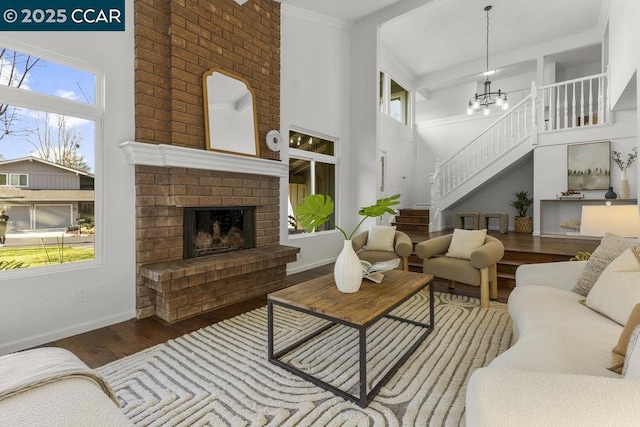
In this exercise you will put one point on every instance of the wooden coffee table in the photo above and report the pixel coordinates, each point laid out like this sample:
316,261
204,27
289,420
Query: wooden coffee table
321,298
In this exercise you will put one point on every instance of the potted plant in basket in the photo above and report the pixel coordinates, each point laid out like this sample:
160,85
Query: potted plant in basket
522,203
316,209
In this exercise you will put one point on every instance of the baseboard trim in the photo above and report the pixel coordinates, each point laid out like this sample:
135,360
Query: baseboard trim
58,334
300,269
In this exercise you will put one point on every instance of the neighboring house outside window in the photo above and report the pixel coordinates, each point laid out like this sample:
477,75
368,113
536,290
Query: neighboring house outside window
50,118
54,197
312,170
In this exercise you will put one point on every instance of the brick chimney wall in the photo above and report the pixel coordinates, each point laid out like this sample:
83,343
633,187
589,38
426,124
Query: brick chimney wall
176,42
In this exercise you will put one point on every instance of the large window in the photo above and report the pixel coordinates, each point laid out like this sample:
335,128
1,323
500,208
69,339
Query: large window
312,170
50,116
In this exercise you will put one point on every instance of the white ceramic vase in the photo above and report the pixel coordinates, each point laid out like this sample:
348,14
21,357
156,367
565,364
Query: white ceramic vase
624,191
347,271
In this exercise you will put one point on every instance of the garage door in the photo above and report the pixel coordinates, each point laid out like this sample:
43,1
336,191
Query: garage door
19,218
53,216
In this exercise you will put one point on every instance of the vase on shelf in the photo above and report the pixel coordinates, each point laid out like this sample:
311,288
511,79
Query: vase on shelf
624,185
610,194
347,271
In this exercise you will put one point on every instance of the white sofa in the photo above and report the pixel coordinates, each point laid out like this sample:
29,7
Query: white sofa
555,373
52,387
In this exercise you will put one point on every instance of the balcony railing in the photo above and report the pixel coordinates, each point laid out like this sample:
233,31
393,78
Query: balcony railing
575,103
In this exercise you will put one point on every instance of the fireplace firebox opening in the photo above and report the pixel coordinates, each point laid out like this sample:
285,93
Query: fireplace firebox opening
215,230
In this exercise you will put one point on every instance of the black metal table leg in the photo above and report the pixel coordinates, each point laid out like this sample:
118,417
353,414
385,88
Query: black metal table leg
270,330
363,367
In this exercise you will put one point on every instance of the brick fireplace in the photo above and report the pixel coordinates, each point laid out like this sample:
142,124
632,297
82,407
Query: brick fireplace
174,288
176,42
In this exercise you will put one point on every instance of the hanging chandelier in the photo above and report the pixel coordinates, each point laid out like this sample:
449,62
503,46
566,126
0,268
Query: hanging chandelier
487,98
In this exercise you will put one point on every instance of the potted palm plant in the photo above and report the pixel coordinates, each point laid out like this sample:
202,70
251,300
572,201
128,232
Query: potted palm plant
316,209
522,203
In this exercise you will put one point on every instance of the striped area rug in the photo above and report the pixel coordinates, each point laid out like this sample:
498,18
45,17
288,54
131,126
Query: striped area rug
220,376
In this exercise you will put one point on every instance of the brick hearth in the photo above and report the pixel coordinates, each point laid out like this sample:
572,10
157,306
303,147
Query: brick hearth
190,287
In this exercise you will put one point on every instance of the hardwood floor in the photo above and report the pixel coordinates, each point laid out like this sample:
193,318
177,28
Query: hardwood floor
101,346
104,345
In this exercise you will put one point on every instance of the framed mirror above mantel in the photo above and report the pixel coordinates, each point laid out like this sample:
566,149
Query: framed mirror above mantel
230,113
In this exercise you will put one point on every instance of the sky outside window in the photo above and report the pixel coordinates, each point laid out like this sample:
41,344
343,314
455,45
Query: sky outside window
49,78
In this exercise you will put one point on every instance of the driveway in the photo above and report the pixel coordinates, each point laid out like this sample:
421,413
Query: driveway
49,236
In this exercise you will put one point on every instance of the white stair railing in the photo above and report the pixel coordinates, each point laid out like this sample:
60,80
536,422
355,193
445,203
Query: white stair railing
565,105
573,103
509,131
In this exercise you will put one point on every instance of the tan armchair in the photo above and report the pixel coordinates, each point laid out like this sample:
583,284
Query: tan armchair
479,270
402,244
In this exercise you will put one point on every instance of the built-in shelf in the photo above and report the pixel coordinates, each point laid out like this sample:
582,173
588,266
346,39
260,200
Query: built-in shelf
554,212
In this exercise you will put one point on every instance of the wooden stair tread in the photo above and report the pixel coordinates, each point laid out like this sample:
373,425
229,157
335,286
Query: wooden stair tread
409,211
512,262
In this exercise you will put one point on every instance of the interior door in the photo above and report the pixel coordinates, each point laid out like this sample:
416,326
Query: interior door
408,174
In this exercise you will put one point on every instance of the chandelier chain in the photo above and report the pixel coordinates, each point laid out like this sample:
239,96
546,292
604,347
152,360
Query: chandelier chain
487,41
487,97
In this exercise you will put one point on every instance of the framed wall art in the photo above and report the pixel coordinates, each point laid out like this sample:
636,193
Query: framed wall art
589,166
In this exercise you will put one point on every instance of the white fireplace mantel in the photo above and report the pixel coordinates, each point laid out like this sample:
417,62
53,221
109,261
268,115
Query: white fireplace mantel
140,153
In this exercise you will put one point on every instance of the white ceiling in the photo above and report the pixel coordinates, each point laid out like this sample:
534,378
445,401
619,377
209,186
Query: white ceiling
349,10
440,34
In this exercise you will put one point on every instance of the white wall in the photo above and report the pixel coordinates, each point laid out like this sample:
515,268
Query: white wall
550,160
39,305
396,140
446,102
315,95
624,37
497,196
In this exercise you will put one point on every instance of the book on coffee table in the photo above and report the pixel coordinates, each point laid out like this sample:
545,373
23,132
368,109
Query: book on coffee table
375,272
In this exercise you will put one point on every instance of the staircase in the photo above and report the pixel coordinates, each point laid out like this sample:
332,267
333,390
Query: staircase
560,106
414,222
501,145
514,258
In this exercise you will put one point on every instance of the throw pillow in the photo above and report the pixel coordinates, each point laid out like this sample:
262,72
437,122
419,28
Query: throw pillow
611,246
463,242
631,369
620,350
617,290
381,238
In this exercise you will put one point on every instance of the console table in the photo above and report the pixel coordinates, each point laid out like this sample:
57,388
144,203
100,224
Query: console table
554,212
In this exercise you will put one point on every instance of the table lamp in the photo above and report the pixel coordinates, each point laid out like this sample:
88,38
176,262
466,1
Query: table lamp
622,220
